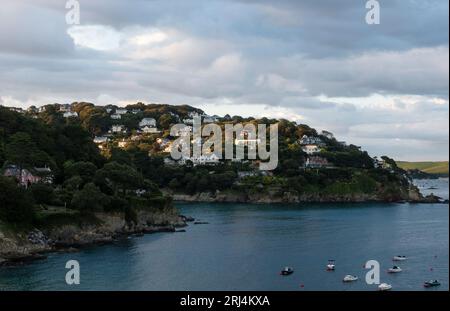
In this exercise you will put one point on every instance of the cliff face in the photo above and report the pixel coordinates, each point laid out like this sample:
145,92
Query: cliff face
22,246
410,195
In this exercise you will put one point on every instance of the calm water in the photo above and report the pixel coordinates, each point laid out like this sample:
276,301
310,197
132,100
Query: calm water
245,246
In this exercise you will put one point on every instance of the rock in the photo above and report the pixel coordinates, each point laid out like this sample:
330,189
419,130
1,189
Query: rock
187,218
431,198
37,237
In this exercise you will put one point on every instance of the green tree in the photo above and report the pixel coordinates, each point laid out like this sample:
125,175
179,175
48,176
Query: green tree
89,199
119,177
16,203
21,150
86,170
42,193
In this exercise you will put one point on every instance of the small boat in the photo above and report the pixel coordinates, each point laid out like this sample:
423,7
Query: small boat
399,258
287,271
350,278
331,266
384,287
395,269
431,283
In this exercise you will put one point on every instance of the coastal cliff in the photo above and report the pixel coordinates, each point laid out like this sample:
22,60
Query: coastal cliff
20,246
412,195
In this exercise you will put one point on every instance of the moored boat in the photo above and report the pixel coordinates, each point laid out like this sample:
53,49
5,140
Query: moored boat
395,269
287,271
399,258
350,278
331,265
431,283
384,287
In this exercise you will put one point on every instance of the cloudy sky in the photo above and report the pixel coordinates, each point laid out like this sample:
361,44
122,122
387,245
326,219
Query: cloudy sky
384,87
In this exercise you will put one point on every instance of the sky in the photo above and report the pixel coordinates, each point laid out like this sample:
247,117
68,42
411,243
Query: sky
384,87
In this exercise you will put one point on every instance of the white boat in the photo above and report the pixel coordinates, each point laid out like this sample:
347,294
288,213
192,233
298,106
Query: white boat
395,269
384,287
331,266
399,258
350,278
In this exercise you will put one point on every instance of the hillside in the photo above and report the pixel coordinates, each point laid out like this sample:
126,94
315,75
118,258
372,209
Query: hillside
440,167
136,140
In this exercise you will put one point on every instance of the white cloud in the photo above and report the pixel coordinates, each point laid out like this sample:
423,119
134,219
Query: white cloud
96,37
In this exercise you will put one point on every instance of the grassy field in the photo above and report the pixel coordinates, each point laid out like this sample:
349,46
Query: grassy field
427,167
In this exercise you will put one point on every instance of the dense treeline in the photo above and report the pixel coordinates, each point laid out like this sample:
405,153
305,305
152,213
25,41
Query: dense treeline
83,180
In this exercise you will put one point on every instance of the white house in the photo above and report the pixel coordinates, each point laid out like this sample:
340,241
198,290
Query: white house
70,114
121,111
201,160
188,121
311,149
149,130
117,128
135,111
147,122
108,110
100,139
311,140
116,116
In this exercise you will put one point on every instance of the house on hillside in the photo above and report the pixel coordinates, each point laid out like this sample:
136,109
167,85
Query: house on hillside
121,111
150,122
201,160
310,149
116,116
100,139
381,163
316,162
15,109
136,111
70,114
26,177
149,130
311,140
117,128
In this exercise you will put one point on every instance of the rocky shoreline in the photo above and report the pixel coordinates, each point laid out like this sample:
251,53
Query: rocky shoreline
21,248
412,196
